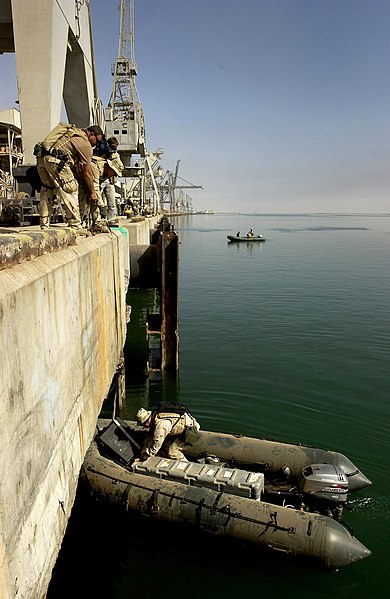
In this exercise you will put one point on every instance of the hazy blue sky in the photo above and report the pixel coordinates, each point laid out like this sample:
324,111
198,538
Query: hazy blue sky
271,105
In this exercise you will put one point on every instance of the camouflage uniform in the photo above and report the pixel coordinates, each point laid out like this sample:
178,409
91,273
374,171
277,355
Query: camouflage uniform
98,224
62,178
63,170
107,187
166,435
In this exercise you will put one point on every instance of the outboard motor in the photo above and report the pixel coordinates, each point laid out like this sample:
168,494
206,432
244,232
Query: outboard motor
324,481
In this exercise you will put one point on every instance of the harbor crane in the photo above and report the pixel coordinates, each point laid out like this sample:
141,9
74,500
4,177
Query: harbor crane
124,115
125,119
146,186
169,198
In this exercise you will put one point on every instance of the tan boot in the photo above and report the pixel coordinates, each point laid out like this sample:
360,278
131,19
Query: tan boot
44,222
100,227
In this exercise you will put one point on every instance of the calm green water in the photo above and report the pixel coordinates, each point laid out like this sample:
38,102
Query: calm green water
287,339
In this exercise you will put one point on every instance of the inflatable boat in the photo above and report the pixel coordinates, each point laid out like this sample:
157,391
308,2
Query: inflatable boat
284,497
235,238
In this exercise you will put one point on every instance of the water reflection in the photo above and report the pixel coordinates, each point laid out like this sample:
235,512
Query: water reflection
144,388
249,247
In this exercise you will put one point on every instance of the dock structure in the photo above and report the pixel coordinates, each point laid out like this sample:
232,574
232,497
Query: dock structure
62,331
63,311
162,327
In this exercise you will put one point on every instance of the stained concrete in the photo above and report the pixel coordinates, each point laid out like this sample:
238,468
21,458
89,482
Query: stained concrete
62,332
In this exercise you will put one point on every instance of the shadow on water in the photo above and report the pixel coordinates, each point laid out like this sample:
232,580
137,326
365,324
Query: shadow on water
142,389
100,544
109,554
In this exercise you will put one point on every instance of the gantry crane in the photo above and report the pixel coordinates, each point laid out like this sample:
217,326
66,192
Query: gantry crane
170,202
125,121
124,116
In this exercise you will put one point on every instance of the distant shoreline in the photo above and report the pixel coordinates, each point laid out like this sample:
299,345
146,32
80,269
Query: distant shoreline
214,213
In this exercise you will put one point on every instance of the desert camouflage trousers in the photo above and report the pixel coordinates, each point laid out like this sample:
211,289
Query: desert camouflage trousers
73,194
61,183
86,204
171,448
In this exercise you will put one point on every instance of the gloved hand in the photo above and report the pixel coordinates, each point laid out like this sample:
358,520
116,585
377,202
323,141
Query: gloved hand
140,458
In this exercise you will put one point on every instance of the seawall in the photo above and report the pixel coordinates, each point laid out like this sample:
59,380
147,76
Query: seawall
62,332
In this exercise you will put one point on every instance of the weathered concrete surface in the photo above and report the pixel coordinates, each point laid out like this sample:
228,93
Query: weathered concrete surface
62,330
139,231
17,245
143,258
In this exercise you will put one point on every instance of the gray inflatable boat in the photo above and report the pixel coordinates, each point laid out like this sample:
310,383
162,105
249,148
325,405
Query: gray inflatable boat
281,496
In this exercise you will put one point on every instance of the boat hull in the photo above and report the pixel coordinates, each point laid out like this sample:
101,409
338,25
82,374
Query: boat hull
275,455
311,536
281,527
236,239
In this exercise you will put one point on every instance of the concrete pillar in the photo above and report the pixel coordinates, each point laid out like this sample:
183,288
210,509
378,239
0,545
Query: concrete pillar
53,55
76,88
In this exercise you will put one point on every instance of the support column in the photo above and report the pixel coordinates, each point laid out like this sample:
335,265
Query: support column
54,61
41,36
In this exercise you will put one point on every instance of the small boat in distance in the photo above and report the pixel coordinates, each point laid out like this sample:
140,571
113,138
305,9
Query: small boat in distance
250,239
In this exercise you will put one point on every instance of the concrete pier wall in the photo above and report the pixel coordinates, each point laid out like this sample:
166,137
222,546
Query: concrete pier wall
139,232
62,331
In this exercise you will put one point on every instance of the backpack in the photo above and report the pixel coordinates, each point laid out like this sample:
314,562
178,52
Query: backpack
170,407
191,433
62,131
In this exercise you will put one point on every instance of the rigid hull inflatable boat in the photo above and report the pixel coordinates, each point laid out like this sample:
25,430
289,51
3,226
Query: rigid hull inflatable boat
281,496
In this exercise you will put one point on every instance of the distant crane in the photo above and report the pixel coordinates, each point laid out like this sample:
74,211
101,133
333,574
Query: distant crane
125,121
169,186
124,115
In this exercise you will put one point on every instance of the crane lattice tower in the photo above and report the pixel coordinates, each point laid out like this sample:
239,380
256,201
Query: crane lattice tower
124,114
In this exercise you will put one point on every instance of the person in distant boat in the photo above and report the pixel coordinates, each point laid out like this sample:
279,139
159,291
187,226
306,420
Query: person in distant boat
166,433
238,234
250,233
